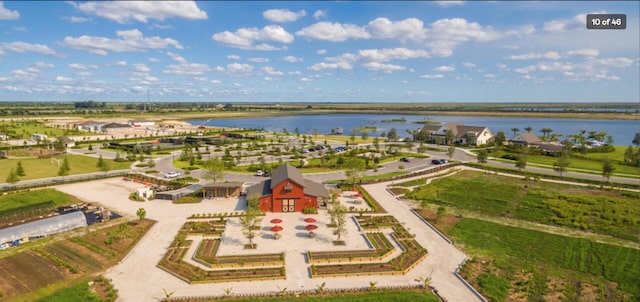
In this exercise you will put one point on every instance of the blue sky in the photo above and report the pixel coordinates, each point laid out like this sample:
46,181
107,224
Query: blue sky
317,51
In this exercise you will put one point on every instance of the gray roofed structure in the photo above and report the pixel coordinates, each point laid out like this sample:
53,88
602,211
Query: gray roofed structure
285,172
44,227
261,189
315,189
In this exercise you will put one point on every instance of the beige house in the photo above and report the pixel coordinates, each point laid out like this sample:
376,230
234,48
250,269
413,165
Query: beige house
462,134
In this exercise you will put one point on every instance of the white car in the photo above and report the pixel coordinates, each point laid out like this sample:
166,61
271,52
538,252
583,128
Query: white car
171,174
259,173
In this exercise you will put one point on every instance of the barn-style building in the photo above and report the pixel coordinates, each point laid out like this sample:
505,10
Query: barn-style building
288,191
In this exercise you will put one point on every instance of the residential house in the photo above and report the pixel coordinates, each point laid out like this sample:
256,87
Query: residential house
39,137
91,126
66,141
524,140
288,191
111,127
462,134
223,189
137,123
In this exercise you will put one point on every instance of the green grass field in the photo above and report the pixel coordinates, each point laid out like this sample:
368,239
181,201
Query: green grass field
27,128
517,250
18,200
580,163
77,293
607,212
36,168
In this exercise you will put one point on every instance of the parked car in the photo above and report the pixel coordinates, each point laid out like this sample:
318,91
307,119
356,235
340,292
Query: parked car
259,173
266,173
405,160
438,161
172,174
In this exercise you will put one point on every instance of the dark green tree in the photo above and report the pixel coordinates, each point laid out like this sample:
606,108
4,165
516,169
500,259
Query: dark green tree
64,168
20,170
562,163
607,169
214,169
482,157
499,139
13,177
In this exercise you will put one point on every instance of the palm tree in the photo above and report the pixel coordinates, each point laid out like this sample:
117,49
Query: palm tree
546,132
515,131
528,128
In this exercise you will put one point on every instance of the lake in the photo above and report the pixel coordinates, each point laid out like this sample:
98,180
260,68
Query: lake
622,131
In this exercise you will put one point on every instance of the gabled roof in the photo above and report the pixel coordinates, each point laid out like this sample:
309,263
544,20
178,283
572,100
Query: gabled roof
213,185
527,137
315,189
430,128
464,130
262,188
285,172
65,139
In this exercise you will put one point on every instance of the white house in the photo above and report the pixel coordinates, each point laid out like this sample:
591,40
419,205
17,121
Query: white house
39,137
462,134
3,136
141,123
91,126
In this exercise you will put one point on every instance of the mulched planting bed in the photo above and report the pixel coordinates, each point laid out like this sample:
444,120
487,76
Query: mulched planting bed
380,242
210,227
412,251
208,248
74,256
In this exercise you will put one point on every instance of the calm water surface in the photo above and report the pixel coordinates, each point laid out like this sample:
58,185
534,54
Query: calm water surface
621,130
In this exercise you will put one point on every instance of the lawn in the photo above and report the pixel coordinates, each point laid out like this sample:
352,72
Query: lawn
27,128
519,251
24,199
581,163
607,212
77,293
36,168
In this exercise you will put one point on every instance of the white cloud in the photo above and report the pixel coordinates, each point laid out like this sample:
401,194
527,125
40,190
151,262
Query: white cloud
141,68
6,14
121,63
432,76
521,31
295,72
75,19
160,26
239,68
82,66
128,41
176,57
216,81
324,65
20,29
444,68
244,38
552,55
321,51
142,11
233,57
22,47
63,79
387,54
258,60
384,67
447,3
283,15
445,34
614,62
407,29
468,65
587,52
334,32
320,14
292,59
562,25
154,60
271,71
187,69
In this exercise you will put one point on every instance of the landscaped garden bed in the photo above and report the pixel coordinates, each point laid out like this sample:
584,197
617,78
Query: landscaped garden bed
206,255
382,249
209,227
412,253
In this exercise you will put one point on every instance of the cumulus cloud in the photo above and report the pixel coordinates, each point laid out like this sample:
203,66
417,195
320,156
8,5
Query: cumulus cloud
244,38
233,57
142,11
333,32
468,64
63,79
75,19
375,66
6,14
445,34
445,68
283,15
127,41
82,66
184,67
562,25
432,76
324,66
320,14
408,29
271,71
21,47
292,59
121,63
239,68
388,54
447,3
258,60
551,55
321,51
586,52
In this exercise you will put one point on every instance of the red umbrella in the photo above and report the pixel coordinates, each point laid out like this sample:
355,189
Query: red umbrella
310,220
311,227
276,228
276,220
358,195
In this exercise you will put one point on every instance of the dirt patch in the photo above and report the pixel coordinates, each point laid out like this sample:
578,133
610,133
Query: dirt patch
27,271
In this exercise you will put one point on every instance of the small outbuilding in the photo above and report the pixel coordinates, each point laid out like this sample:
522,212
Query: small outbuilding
223,189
